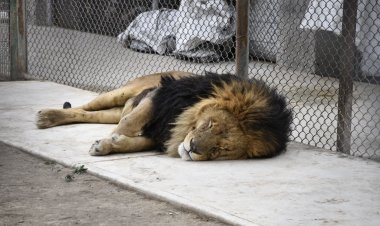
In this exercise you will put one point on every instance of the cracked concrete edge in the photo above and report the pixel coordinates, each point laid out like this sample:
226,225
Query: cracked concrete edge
168,197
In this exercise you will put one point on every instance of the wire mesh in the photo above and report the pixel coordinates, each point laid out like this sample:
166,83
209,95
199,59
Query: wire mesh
75,44
295,45
4,41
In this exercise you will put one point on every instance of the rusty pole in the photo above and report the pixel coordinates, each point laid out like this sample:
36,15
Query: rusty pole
242,41
348,62
17,39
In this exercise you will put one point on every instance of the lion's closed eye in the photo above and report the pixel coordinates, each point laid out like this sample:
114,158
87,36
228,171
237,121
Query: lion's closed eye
205,125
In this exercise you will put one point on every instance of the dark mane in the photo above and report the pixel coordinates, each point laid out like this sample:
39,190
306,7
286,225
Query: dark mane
275,119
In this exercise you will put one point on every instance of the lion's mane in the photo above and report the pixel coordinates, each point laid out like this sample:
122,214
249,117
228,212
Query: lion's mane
261,110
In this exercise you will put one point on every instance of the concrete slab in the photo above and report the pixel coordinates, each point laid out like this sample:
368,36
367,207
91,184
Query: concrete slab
304,186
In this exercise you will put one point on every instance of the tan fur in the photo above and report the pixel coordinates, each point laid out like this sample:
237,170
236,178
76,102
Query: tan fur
99,109
119,97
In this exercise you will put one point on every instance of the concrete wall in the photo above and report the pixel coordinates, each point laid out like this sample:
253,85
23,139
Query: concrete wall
264,29
276,34
296,45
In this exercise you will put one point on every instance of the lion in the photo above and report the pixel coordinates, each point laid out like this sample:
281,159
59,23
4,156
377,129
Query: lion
194,117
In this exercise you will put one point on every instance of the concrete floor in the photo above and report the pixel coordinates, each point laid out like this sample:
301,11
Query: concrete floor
304,186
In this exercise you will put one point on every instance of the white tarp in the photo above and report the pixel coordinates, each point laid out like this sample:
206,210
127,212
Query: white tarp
183,31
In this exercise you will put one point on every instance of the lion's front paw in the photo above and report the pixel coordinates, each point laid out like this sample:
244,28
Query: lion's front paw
100,147
48,118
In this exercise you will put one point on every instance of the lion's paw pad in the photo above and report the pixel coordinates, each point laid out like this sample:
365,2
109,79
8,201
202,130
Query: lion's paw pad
97,149
48,118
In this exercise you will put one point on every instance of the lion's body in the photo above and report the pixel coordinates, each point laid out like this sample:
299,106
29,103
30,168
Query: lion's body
191,116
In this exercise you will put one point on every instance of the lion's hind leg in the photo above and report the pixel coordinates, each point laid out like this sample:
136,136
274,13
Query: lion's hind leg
120,96
128,137
47,118
111,99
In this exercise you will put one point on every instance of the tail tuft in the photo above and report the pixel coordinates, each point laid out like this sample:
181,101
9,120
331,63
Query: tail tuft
66,105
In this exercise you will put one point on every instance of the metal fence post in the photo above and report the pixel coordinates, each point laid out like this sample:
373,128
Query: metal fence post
348,62
17,39
242,41
155,4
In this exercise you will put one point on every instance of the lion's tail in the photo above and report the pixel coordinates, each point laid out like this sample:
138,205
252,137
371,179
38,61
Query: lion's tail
66,105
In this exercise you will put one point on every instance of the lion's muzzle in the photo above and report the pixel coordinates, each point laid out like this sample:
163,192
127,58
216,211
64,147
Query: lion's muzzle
184,152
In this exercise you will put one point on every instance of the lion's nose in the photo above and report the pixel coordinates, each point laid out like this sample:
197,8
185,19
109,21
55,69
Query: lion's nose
193,147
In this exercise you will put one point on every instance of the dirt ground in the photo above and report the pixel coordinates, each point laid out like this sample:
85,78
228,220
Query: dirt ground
38,192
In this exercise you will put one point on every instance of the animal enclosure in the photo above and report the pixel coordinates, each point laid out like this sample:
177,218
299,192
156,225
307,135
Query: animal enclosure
324,56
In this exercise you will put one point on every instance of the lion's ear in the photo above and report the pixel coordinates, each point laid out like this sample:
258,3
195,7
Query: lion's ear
203,106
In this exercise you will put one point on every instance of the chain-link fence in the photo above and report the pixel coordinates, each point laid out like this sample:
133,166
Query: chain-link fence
304,40
4,40
324,55
75,42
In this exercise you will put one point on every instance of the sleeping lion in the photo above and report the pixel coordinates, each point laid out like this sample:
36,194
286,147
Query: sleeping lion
195,117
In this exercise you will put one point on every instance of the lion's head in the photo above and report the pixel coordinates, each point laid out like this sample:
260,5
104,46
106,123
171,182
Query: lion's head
215,135
241,120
